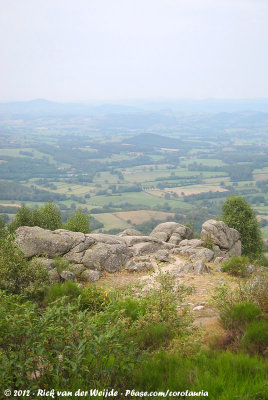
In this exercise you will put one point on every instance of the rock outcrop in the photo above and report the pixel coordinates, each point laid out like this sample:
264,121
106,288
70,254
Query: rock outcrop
225,240
172,232
92,254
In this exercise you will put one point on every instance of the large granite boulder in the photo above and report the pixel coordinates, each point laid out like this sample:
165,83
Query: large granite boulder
103,256
171,232
130,232
224,240
35,241
138,264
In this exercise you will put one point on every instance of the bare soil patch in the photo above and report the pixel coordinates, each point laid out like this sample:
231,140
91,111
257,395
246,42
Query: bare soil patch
10,205
260,177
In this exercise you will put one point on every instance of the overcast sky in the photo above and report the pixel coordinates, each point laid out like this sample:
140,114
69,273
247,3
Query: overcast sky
78,50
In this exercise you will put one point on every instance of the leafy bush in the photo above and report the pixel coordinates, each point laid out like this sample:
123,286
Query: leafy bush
78,222
95,299
236,266
47,217
18,275
94,340
133,308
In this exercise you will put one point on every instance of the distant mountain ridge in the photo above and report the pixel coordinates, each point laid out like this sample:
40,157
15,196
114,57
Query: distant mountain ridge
47,107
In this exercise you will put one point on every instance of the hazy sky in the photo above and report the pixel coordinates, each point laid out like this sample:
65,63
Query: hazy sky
69,50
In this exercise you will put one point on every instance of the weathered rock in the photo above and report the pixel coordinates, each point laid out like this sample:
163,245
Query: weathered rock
82,246
132,240
150,247
219,260
250,269
130,232
53,276
77,269
180,234
173,270
219,234
133,266
162,255
46,262
103,256
187,267
203,255
35,241
67,276
218,269
191,243
74,257
198,308
103,238
200,268
171,232
90,276
187,250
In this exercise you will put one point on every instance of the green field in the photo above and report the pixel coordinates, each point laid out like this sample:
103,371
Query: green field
211,162
136,198
111,221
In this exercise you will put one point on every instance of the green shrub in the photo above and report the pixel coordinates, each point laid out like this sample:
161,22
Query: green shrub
255,338
67,289
47,217
208,243
78,222
241,314
18,275
224,376
153,336
133,308
62,346
91,299
61,264
254,290
236,266
95,299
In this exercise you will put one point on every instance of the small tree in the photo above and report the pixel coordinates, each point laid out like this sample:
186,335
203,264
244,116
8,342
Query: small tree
48,217
78,222
23,217
237,213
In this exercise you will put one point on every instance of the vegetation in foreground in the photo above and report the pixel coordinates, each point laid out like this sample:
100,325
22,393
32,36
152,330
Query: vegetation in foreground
62,336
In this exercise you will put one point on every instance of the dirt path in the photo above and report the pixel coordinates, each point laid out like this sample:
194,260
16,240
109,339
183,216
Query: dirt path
199,301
